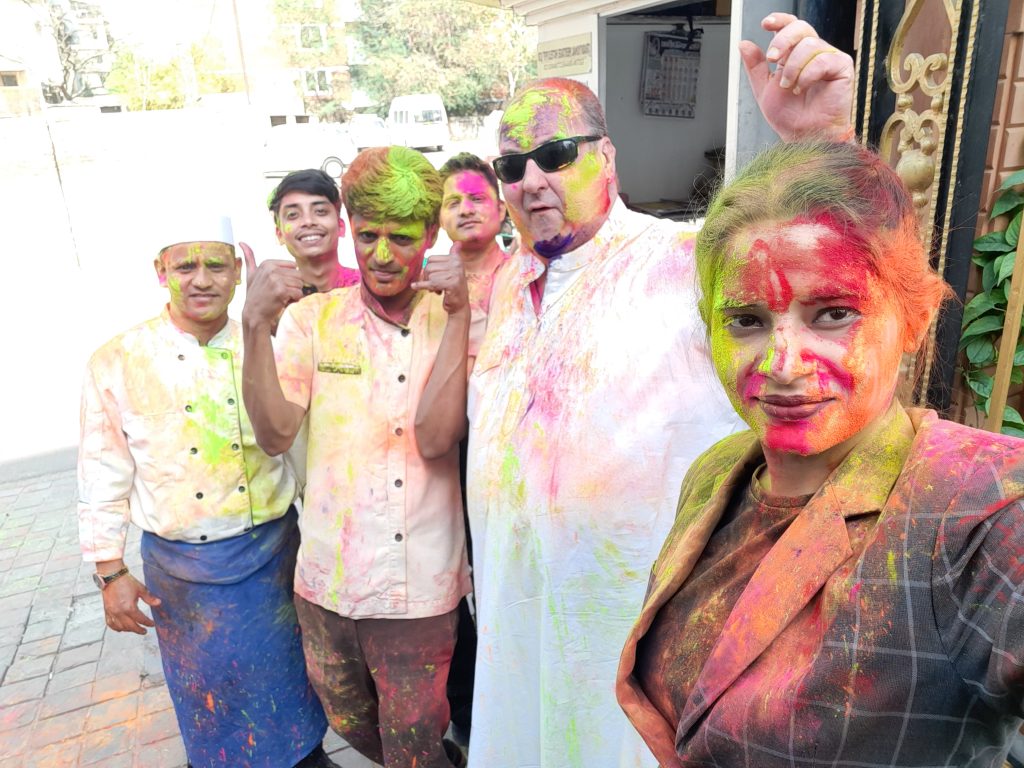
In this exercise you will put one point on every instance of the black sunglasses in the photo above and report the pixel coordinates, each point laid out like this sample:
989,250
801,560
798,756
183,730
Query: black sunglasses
551,156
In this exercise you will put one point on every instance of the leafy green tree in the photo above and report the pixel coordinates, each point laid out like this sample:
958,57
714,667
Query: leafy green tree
474,57
150,84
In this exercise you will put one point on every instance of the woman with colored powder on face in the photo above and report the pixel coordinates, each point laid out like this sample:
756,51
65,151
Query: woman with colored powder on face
844,583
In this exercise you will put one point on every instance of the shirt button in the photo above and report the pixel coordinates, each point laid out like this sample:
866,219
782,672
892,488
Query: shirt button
188,408
241,489
231,401
224,355
193,450
398,483
199,495
405,331
398,537
401,378
181,357
203,537
399,431
234,446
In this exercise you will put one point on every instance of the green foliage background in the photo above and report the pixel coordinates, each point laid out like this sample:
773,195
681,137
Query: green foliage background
995,253
472,55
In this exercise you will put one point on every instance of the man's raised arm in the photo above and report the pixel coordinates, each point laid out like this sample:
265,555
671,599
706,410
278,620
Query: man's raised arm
269,290
441,416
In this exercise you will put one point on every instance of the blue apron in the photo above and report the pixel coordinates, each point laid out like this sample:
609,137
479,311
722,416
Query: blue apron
231,647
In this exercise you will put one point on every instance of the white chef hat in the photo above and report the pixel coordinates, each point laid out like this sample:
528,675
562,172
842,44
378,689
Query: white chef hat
196,229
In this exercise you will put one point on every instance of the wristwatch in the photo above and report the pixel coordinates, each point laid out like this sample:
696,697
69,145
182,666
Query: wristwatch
101,581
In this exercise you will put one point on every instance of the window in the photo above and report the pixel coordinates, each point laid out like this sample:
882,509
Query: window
316,81
9,79
312,35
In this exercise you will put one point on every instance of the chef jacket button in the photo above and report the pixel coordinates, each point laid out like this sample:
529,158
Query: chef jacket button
398,537
199,495
231,401
399,431
224,355
405,331
181,357
203,537
401,378
241,489
193,450
188,408
234,446
398,483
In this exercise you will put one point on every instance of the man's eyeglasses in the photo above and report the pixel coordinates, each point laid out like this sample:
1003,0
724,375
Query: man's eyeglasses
551,156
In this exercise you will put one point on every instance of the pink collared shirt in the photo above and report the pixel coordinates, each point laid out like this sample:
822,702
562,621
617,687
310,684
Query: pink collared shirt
382,530
166,443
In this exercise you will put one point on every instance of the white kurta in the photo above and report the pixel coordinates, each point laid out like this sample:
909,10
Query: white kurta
583,422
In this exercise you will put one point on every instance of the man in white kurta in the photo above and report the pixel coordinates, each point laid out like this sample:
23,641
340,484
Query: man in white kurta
590,397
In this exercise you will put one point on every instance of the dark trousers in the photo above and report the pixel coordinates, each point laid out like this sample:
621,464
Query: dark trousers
460,679
382,682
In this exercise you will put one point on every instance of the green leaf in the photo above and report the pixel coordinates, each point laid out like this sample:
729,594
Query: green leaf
983,325
1017,376
988,277
982,385
981,352
1013,230
1007,201
993,241
1012,417
1012,431
1004,266
1013,180
976,307
1018,356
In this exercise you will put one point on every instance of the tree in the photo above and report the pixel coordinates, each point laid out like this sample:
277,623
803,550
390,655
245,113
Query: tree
80,66
150,84
473,57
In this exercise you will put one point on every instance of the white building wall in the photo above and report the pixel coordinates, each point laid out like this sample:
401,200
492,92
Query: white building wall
659,157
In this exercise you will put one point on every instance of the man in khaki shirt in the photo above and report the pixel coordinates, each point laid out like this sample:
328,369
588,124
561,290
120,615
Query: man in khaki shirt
382,563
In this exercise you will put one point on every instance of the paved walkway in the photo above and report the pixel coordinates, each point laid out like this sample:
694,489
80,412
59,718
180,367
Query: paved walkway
72,692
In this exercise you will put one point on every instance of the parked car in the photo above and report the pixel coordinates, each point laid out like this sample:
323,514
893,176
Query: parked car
295,146
367,130
419,121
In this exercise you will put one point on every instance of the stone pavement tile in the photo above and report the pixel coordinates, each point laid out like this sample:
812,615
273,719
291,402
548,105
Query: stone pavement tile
41,629
15,619
117,685
27,690
101,746
12,744
28,669
24,570
155,700
58,578
53,730
122,652
158,726
6,560
18,715
67,563
63,755
83,634
17,586
112,712
72,678
48,612
6,656
37,648
15,601
76,657
31,557
168,753
66,701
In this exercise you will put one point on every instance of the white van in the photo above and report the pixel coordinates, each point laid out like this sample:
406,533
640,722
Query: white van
418,121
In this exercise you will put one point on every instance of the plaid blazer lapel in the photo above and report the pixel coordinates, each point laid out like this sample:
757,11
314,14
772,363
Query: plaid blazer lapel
812,548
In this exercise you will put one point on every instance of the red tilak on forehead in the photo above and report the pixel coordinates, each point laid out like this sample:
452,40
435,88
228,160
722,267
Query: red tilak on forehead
766,281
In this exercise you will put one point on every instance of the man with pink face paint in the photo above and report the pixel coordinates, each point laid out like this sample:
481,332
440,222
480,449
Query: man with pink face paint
588,400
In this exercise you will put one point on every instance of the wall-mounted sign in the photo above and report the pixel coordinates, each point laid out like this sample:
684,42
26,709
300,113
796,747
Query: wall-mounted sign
668,81
565,56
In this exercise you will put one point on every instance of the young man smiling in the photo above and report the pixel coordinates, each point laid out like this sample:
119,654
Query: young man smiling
382,563
307,219
167,445
472,215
